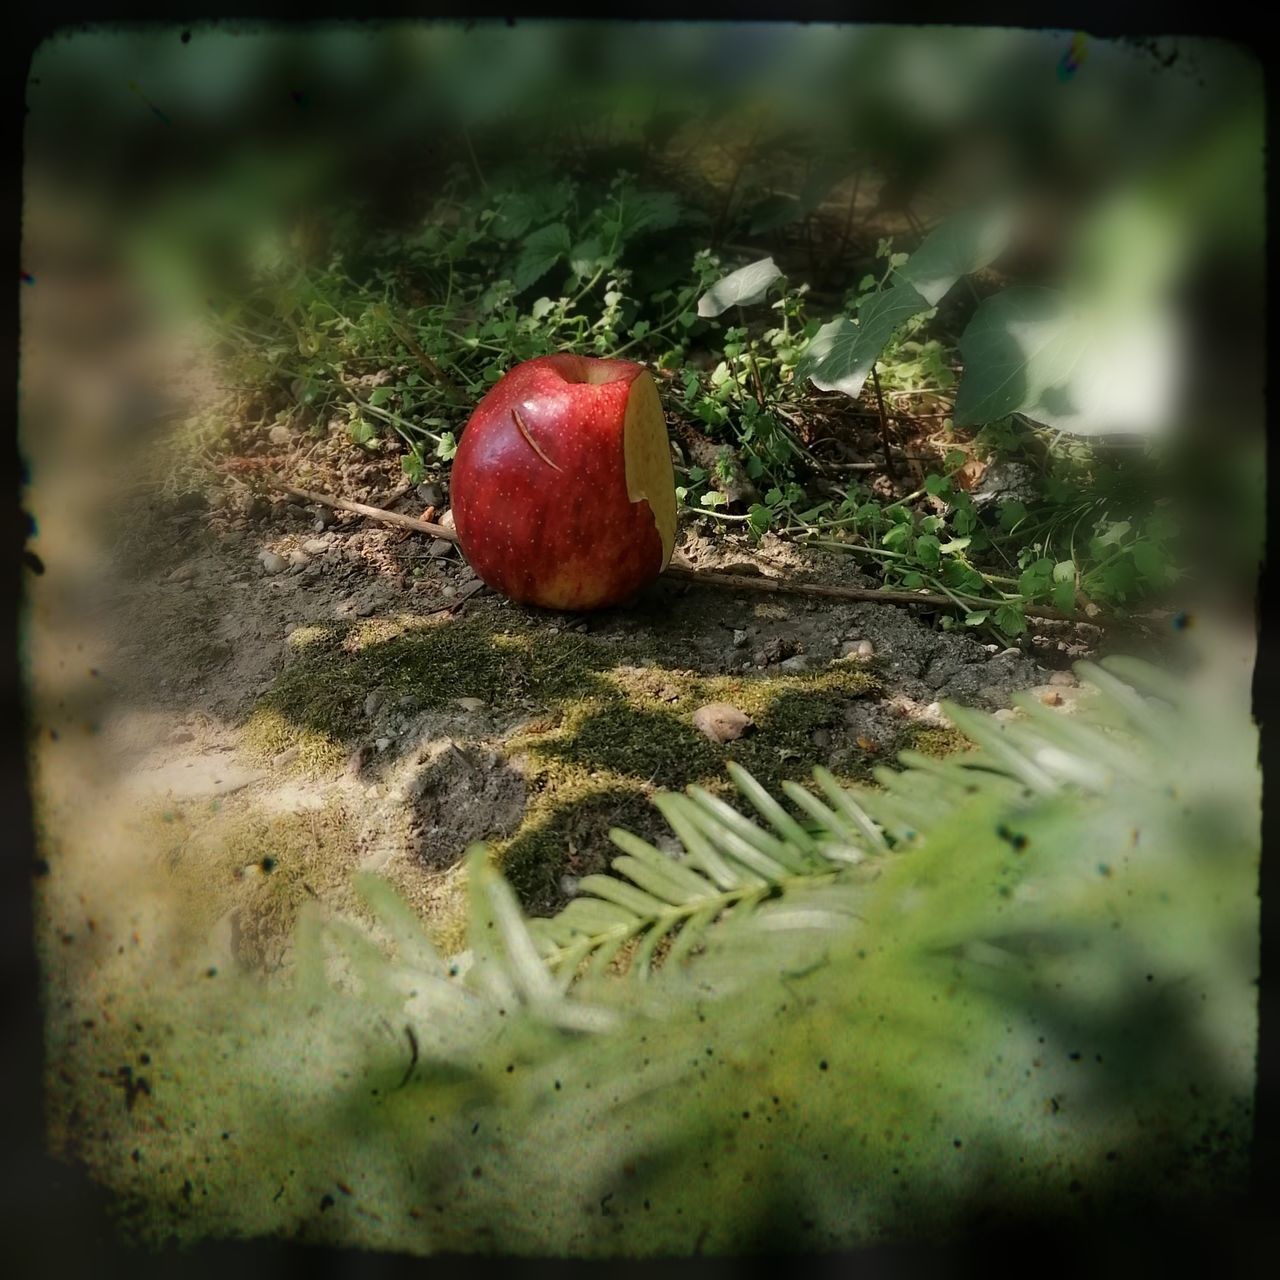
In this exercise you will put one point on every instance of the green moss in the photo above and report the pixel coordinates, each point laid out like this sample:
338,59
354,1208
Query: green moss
939,742
621,726
267,864
267,733
436,660
610,753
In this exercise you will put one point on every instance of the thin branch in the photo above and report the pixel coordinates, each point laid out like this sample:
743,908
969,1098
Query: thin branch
884,426
704,577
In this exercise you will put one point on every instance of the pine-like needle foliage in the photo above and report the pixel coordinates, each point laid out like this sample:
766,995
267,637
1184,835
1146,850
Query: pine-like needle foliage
1022,975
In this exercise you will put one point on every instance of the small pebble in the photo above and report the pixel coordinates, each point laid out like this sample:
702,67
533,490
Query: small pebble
797,663
449,592
315,546
325,517
408,703
299,558
279,434
470,704
992,648
864,651
446,520
430,494
272,563
373,703
364,608
739,639
1051,698
721,722
553,631
1010,652
183,573
382,743
439,548
1004,715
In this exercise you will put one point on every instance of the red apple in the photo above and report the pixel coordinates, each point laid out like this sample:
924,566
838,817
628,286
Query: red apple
563,491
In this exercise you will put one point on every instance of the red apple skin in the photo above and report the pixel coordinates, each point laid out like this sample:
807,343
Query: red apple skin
552,525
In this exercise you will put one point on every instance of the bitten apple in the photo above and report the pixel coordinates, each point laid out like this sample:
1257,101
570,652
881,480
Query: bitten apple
563,492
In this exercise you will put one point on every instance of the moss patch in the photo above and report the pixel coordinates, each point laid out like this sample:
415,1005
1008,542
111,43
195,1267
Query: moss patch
267,864
945,741
336,667
616,723
601,763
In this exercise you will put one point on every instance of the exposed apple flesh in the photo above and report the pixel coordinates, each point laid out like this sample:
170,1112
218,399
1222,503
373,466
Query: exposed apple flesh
563,491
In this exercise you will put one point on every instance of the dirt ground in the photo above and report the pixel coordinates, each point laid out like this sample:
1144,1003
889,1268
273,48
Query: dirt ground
280,694
236,701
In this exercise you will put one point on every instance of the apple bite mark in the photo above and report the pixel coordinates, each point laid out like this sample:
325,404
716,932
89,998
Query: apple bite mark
523,428
647,453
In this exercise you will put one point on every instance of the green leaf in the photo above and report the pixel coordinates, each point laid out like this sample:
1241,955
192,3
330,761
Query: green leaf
585,257
542,250
976,618
927,550
541,307
648,211
411,465
841,353
446,446
1010,620
1149,561
1064,596
897,536
937,486
1011,513
963,244
360,431
741,288
380,395
1078,368
1064,571
714,498
759,517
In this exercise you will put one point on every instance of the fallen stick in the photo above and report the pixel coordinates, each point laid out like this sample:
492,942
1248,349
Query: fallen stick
705,577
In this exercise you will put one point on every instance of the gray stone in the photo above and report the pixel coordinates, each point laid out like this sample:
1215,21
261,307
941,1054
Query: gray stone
739,639
382,743
797,663
439,548
272,563
365,608
315,546
430,494
373,703
299,558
